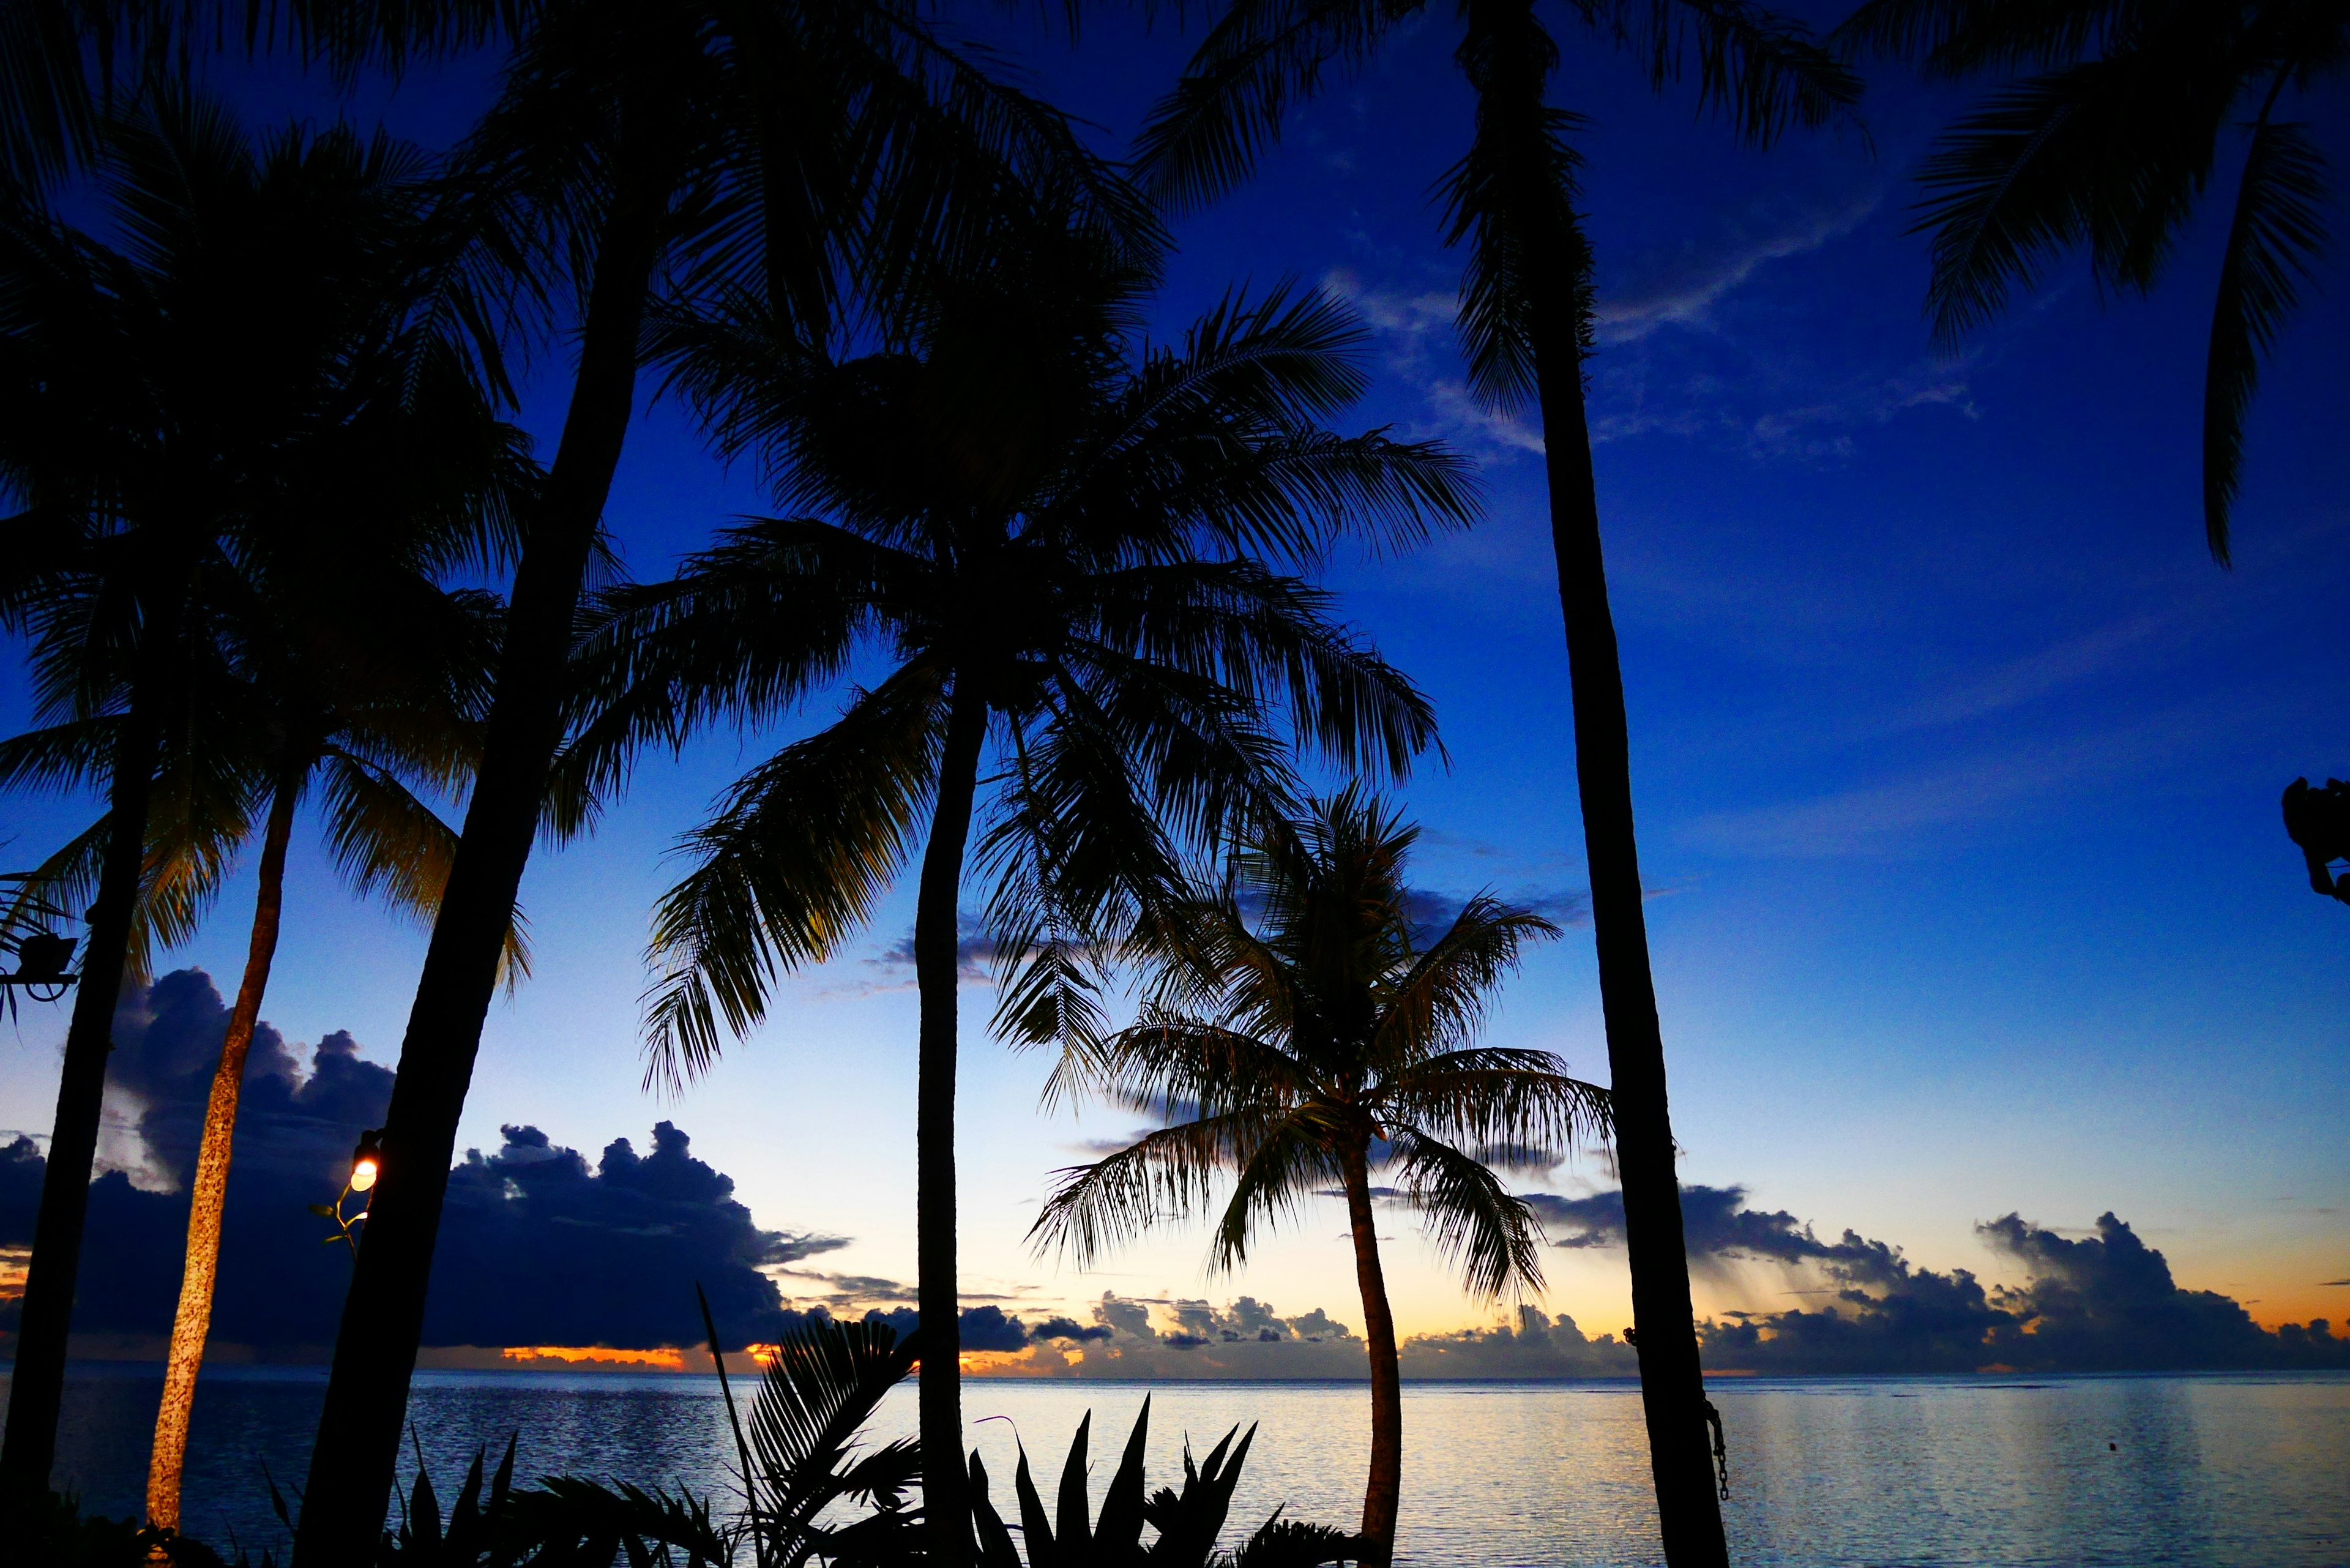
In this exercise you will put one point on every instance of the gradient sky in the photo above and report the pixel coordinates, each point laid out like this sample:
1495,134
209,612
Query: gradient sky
1957,761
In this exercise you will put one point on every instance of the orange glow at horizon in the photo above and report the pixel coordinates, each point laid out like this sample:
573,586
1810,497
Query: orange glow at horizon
667,1359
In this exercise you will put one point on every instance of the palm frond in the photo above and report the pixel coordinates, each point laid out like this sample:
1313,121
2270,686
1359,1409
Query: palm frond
1527,281
1260,57
1510,1107
819,1387
2110,152
1164,1175
2275,234
388,844
1440,999
792,862
1477,1225
1761,69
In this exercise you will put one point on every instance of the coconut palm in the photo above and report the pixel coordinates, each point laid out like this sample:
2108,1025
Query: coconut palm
354,681
812,152
1524,320
1313,1033
2110,144
1041,524
159,398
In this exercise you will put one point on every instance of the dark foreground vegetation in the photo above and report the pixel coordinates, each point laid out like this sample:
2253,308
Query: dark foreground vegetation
258,399
809,1490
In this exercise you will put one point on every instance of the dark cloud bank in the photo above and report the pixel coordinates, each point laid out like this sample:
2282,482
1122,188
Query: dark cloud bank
537,1246
540,1247
2105,1302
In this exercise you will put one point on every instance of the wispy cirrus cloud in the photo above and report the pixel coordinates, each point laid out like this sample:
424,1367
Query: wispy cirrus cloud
1684,292
1711,377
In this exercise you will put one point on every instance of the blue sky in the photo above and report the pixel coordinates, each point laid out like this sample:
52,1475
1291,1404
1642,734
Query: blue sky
1957,761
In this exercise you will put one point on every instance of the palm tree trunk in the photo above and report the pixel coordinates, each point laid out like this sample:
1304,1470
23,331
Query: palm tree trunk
358,1449
945,1495
36,1388
1384,1492
208,1196
1673,1387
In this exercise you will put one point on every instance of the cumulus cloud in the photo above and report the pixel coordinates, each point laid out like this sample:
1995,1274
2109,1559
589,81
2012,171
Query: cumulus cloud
2106,1303
1187,1338
1535,1346
536,1246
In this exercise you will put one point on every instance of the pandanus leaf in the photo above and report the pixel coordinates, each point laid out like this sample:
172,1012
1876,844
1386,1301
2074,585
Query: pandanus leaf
995,1547
1076,1528
1118,1536
1035,1525
1189,1523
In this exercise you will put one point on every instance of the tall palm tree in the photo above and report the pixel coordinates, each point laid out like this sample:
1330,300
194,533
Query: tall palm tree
1045,527
360,684
1313,1036
803,150
1524,328
2111,144
158,398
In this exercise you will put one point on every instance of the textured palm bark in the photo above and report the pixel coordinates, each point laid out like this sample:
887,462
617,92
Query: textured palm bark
1673,1387
358,1447
36,1387
945,1492
1383,1493
208,1194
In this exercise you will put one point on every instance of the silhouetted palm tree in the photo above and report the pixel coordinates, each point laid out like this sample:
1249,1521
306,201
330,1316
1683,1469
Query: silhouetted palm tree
1311,1034
2111,145
1525,326
363,680
797,149
1041,524
157,403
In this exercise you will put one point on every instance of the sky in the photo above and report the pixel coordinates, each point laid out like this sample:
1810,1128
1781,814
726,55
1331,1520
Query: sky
1956,759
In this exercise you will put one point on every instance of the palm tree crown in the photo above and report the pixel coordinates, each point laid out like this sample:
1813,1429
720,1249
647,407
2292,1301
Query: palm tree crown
1300,1017
1043,534
1308,1036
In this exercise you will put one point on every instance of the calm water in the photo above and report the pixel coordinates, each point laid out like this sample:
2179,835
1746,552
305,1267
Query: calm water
2251,1471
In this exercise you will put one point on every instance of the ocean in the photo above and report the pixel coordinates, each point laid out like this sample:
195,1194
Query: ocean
1981,1472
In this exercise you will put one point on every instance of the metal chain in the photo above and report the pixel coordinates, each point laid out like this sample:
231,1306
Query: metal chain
1720,1449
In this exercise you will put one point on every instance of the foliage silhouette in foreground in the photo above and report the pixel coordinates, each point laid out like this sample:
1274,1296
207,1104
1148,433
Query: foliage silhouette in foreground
1187,1521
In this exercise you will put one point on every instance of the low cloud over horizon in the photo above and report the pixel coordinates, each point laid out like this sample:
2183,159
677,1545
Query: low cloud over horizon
2106,1303
541,1248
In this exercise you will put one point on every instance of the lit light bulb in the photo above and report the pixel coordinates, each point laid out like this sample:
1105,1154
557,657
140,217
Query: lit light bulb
363,1176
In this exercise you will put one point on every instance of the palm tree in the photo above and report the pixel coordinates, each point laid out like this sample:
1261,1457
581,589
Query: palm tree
1043,530
1524,328
2111,144
363,682
158,401
1312,1036
798,149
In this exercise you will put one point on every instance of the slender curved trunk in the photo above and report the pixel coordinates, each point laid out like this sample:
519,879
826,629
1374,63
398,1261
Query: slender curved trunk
208,1195
945,1492
1385,1490
36,1388
358,1449
1673,1387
